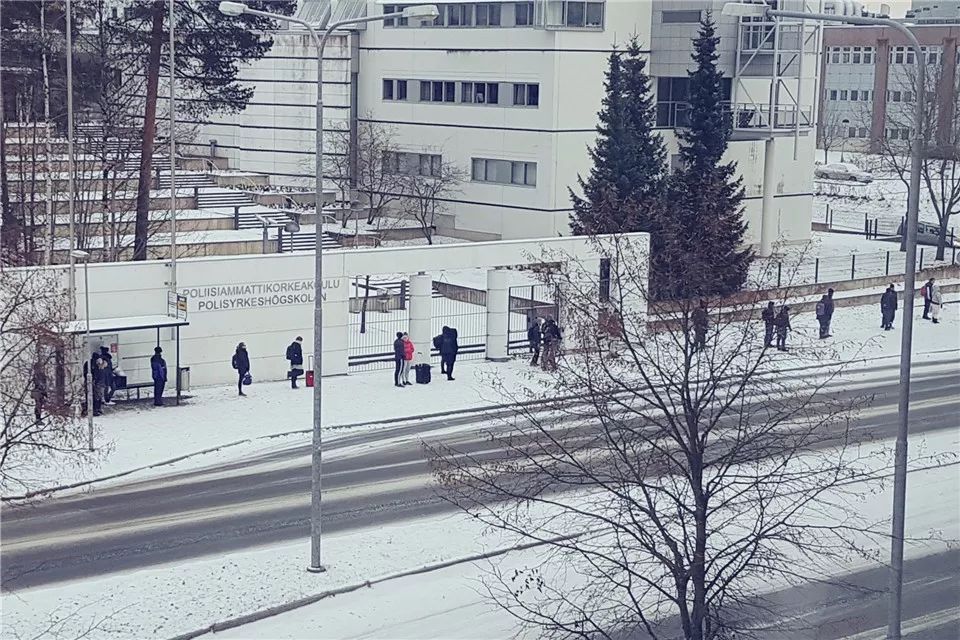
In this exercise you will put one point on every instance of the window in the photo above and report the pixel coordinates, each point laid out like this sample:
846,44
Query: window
868,55
907,96
854,94
481,92
833,94
679,17
893,134
394,89
843,94
526,95
437,91
460,15
896,96
857,55
904,134
834,55
504,172
852,132
394,22
672,95
845,55
488,15
862,132
422,164
523,14
911,58
577,13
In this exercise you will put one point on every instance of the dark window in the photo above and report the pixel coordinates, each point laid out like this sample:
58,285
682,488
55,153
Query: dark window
388,89
680,17
488,15
533,95
594,14
574,14
424,91
401,90
523,14
493,93
449,91
466,92
437,91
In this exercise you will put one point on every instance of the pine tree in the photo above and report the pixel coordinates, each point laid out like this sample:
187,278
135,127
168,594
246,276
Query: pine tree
698,249
628,157
210,50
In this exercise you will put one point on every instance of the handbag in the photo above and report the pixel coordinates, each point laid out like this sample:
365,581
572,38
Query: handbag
247,379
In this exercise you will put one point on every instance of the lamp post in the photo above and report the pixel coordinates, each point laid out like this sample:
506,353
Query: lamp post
843,145
423,12
906,342
77,254
173,158
71,193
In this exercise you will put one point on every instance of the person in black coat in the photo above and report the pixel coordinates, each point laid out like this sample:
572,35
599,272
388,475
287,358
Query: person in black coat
397,359
701,322
783,326
888,307
108,388
295,356
448,351
535,339
769,317
241,362
158,369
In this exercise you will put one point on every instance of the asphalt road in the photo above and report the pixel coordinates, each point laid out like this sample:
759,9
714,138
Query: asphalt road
371,478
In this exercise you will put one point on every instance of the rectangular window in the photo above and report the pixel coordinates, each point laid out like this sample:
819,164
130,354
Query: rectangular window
594,14
423,164
504,172
488,15
845,55
679,17
526,95
394,89
907,96
388,90
896,96
857,55
862,132
574,14
911,58
898,55
394,22
833,94
401,90
868,55
835,55
523,14
852,132
425,91
843,94
904,134
449,91
453,15
466,92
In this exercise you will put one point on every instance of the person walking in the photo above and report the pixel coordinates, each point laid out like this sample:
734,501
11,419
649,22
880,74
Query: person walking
925,292
408,351
241,362
398,359
936,301
888,308
108,388
822,319
783,326
828,308
99,383
701,322
448,351
158,369
534,339
39,391
295,356
551,344
769,317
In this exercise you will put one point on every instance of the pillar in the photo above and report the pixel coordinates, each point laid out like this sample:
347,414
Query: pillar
421,314
498,314
768,214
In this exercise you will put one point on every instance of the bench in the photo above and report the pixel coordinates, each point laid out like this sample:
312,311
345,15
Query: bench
134,386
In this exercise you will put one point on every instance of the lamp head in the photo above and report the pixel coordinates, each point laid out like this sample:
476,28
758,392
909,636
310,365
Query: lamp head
421,12
745,9
228,8
291,226
79,254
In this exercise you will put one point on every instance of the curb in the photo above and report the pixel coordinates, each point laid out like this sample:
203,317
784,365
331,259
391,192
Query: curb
275,610
425,416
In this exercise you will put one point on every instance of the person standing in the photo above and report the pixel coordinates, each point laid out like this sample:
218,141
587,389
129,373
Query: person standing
398,360
534,339
241,362
829,306
783,326
448,350
158,369
108,388
551,344
701,322
295,356
936,301
408,351
39,392
821,310
925,292
769,317
888,308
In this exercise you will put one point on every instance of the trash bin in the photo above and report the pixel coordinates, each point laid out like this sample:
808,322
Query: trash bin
184,381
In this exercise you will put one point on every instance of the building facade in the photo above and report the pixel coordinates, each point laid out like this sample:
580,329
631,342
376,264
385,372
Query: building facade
509,92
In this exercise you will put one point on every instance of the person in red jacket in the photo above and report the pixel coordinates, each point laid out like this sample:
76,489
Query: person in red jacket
408,351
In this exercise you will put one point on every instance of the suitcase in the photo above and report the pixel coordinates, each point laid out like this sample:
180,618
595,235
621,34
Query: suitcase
422,373
310,377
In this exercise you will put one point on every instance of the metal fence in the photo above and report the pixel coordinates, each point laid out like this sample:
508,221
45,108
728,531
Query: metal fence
526,303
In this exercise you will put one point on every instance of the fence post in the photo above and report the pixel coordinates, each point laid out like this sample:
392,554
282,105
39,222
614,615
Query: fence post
888,263
403,294
279,239
236,218
779,266
921,259
829,217
853,266
816,270
876,227
866,225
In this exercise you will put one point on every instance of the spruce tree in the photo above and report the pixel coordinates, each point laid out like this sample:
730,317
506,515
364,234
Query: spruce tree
698,249
628,157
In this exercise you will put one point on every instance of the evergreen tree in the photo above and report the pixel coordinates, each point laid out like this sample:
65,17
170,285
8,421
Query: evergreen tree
698,248
628,157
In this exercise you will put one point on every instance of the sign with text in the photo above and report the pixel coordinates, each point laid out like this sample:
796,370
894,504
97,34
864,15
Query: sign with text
279,293
176,305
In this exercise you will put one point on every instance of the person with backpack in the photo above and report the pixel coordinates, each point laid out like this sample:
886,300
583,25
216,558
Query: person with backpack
701,322
534,339
448,351
241,362
888,308
39,390
551,344
408,351
824,311
769,317
783,326
295,356
158,370
828,309
398,359
108,389
925,292
936,301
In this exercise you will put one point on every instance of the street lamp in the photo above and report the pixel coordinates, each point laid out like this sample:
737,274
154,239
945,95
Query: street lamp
422,12
843,144
77,254
743,9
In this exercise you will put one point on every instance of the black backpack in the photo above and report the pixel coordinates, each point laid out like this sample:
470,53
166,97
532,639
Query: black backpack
233,361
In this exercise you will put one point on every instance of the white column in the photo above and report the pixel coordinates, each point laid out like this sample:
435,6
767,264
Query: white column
421,312
769,221
498,313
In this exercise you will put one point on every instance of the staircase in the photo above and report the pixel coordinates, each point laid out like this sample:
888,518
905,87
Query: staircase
254,220
305,241
392,286
222,199
187,180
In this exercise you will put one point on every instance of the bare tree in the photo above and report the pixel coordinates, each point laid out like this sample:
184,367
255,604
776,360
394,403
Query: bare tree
37,394
940,130
832,131
428,188
684,479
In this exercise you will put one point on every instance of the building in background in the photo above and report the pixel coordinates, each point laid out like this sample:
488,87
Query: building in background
509,91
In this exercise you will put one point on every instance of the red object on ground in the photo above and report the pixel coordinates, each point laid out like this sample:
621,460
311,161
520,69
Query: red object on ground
310,378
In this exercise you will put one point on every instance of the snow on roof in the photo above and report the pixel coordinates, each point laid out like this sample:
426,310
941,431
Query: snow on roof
129,323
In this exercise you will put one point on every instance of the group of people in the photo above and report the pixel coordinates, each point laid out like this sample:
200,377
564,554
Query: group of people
932,300
404,350
543,335
99,370
777,322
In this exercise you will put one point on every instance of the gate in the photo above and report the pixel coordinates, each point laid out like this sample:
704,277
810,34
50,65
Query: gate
527,303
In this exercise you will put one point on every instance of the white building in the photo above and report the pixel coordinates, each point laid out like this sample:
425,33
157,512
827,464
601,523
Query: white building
509,91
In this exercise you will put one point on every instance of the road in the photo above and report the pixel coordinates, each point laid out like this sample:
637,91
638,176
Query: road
371,478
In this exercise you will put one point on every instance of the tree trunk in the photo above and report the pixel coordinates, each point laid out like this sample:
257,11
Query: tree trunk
942,240
363,307
149,133
48,183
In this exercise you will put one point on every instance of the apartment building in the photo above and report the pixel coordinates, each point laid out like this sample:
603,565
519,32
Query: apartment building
869,83
509,92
